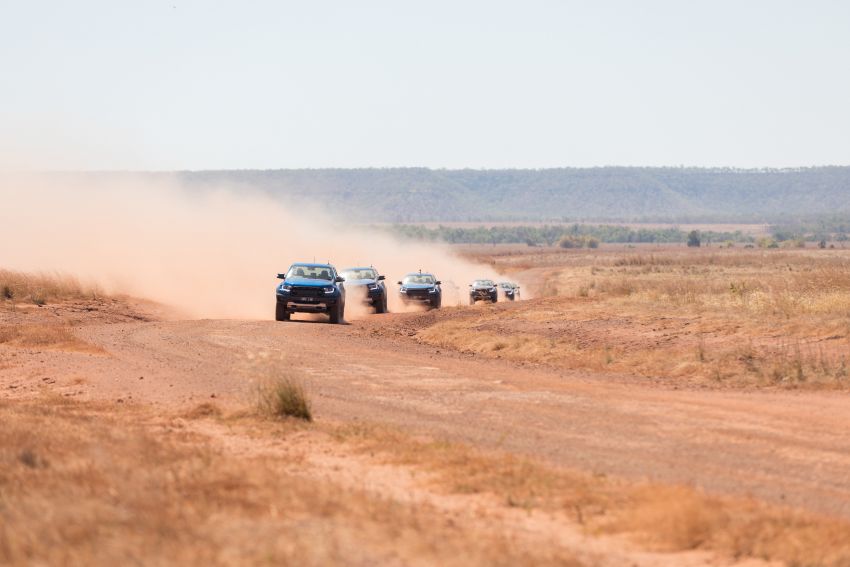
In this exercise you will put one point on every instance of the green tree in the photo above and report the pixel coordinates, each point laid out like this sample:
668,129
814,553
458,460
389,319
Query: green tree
694,239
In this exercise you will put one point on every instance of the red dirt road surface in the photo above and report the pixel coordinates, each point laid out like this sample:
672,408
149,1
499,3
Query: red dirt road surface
784,447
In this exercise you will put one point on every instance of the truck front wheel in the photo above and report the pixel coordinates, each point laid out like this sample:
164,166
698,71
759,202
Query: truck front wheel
336,313
280,312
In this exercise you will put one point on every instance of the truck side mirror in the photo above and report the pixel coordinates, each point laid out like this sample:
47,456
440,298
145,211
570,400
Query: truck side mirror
339,279
281,276
439,282
399,283
381,278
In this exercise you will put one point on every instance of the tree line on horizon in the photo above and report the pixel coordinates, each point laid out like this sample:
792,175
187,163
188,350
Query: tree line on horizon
604,194
567,236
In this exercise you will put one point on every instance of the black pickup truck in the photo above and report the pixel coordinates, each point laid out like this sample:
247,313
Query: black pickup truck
483,290
422,288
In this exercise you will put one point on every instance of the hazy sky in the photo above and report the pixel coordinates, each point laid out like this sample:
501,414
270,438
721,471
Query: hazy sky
195,85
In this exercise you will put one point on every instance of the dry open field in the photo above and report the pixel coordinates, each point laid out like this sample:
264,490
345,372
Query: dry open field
713,317
648,406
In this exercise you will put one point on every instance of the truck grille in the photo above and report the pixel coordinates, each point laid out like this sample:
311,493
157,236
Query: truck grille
307,291
417,293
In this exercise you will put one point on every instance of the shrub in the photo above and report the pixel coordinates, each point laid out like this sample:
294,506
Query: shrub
569,242
694,239
796,242
284,397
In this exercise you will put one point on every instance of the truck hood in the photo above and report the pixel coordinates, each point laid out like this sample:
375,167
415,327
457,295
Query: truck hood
418,286
307,282
359,282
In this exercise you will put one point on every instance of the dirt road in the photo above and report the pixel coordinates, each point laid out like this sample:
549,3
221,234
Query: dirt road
784,447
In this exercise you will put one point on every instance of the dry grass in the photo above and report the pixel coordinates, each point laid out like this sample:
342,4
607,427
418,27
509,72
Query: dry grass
666,518
734,317
39,289
86,485
280,390
39,335
284,397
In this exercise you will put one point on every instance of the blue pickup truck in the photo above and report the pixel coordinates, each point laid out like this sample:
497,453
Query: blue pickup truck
310,288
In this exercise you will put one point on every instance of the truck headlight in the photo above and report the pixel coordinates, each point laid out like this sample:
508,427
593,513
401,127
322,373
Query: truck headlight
284,288
329,289
373,287
432,290
402,290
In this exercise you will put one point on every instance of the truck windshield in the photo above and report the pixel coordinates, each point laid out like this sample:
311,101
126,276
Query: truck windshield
418,279
483,283
360,274
310,272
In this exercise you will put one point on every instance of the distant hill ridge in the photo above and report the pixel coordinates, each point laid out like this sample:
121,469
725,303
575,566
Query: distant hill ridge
603,193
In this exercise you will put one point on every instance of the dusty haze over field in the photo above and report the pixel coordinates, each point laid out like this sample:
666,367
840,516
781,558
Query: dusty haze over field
213,254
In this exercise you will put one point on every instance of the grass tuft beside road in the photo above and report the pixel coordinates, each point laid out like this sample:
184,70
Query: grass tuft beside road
52,336
39,289
284,397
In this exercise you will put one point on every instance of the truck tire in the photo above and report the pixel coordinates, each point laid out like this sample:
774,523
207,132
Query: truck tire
381,305
280,312
336,313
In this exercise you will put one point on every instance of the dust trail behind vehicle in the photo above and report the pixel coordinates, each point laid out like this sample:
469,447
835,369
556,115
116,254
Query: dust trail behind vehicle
212,254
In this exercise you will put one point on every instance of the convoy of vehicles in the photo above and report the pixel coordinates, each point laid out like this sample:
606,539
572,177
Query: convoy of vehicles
483,290
320,288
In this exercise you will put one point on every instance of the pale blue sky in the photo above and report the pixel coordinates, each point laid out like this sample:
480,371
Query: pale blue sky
197,85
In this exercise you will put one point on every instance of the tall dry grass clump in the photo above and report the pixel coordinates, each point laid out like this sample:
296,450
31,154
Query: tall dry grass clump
279,390
283,397
21,287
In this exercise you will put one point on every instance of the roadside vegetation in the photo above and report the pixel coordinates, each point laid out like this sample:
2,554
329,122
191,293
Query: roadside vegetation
39,289
51,336
84,483
659,517
284,397
720,317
